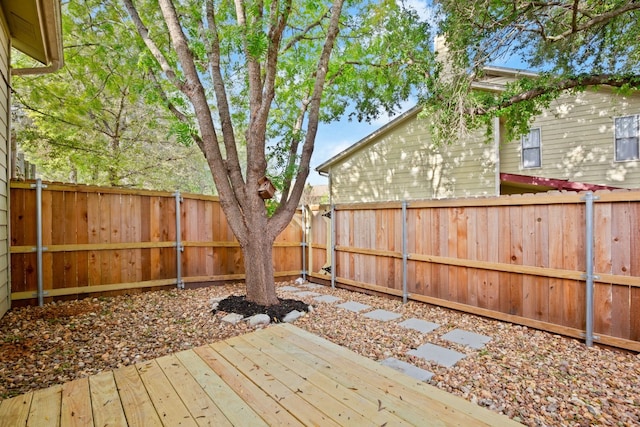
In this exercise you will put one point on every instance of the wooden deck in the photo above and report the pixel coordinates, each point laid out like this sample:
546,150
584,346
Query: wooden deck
280,375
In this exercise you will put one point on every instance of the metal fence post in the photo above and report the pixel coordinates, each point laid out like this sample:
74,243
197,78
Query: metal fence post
39,186
304,242
179,247
589,276
333,246
405,293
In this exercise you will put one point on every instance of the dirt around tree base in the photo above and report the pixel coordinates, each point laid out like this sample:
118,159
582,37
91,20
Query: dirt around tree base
239,304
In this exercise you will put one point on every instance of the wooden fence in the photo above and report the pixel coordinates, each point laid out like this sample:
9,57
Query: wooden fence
100,240
515,258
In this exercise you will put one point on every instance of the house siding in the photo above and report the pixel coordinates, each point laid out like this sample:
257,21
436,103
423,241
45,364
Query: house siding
577,134
404,164
5,284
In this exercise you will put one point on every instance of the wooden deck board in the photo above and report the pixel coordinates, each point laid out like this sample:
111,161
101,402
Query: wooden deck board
136,403
166,400
235,409
76,404
288,399
45,407
280,375
294,359
200,406
105,400
298,384
384,391
15,411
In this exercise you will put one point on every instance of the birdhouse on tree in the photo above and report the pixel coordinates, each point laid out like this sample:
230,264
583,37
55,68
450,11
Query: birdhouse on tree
266,190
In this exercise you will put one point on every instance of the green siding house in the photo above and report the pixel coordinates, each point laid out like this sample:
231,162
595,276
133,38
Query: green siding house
35,28
588,140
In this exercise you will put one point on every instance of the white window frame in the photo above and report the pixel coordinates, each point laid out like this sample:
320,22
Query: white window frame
617,137
523,140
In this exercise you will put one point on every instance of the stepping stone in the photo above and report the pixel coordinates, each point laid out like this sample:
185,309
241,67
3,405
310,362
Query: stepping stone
354,306
233,318
327,298
292,316
408,369
307,294
419,325
311,286
440,355
289,288
383,315
467,338
259,319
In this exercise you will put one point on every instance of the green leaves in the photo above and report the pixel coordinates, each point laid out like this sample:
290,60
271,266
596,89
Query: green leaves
103,118
257,44
573,42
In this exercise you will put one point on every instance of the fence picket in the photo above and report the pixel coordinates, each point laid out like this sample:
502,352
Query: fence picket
621,265
504,256
556,256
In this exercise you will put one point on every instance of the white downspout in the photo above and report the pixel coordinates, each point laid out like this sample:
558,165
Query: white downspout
496,147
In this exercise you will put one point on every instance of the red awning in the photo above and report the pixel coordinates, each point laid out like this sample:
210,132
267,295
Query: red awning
554,183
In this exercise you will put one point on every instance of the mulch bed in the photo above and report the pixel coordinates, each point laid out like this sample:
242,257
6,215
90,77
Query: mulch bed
240,305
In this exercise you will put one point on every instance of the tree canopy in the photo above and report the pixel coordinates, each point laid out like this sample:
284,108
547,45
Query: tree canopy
573,44
264,74
98,121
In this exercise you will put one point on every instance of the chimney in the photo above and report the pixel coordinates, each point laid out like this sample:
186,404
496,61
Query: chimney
442,51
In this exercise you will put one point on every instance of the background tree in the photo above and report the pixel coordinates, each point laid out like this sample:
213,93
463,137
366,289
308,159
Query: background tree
265,74
575,44
97,121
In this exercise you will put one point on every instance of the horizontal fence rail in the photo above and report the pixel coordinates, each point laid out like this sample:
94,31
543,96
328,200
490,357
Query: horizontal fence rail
97,240
515,258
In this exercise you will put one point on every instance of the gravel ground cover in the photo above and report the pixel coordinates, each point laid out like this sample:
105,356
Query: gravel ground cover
534,377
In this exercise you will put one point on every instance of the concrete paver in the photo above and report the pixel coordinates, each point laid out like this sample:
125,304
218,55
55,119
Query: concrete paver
408,369
440,355
467,338
327,298
382,315
419,325
307,294
354,306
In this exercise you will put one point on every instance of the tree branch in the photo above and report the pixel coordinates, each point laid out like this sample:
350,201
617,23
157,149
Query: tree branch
285,210
304,32
597,20
224,111
194,90
151,45
566,84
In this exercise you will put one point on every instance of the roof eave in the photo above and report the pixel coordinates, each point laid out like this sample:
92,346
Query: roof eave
49,29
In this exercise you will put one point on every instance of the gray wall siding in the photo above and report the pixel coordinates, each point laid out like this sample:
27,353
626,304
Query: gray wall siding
578,141
404,164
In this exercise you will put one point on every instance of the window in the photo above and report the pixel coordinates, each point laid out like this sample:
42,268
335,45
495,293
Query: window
531,155
627,133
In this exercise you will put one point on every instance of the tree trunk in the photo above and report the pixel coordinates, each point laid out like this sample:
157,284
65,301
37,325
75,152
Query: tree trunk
258,266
